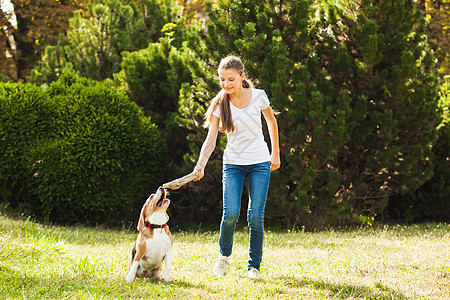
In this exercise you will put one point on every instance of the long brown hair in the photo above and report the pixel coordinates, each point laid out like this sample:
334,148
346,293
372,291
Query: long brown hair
222,98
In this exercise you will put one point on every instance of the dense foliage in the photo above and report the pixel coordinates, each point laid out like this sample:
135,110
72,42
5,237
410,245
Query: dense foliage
431,202
354,83
437,14
76,152
391,76
153,77
357,94
94,43
26,31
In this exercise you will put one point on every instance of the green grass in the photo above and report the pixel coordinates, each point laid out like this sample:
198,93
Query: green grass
401,262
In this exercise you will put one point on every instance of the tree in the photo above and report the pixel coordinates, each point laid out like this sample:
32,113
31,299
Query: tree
356,92
277,43
437,14
193,9
39,24
431,202
143,55
386,69
6,48
153,77
94,44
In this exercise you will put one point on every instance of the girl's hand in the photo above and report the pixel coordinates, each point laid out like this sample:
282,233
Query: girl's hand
199,172
275,162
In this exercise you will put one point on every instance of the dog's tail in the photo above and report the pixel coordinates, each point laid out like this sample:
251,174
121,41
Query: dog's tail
131,257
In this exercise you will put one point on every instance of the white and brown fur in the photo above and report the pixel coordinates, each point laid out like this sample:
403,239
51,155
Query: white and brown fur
153,245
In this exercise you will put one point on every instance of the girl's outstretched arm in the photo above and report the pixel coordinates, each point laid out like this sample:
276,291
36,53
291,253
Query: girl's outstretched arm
207,148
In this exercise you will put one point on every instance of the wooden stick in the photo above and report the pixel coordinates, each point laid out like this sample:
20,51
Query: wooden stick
177,183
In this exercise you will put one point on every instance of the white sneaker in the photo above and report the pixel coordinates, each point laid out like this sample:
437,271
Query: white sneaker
221,266
253,273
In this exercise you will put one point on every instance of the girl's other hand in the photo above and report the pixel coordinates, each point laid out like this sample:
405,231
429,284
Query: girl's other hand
275,162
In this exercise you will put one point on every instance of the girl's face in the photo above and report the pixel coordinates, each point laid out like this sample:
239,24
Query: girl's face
230,80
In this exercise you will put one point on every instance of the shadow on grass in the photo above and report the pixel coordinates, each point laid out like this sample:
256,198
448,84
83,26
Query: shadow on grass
19,284
341,291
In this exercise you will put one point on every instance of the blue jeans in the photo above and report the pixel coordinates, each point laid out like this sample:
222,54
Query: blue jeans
233,184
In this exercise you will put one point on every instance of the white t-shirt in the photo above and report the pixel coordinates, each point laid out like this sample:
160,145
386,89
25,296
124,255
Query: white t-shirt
246,145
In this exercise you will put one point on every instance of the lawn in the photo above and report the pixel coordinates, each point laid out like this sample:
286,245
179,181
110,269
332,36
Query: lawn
393,262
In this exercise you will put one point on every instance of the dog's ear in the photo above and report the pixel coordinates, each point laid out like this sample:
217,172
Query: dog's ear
141,223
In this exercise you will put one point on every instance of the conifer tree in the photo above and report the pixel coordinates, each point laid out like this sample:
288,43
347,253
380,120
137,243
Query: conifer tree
356,93
276,40
157,78
389,74
94,44
431,202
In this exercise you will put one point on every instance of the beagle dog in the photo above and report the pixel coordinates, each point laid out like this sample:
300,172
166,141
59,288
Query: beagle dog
154,242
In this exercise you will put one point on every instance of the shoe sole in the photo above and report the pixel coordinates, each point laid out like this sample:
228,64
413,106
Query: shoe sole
219,274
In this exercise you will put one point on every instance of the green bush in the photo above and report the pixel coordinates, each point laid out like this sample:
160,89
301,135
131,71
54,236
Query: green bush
26,120
92,156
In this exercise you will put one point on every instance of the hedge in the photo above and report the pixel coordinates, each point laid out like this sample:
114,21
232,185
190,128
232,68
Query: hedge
76,151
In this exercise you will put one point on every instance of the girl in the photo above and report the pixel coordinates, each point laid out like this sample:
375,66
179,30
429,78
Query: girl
237,110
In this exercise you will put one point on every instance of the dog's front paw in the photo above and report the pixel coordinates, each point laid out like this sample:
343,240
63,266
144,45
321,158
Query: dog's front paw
130,278
166,278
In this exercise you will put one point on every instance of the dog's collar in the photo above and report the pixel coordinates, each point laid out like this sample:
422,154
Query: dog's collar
152,226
